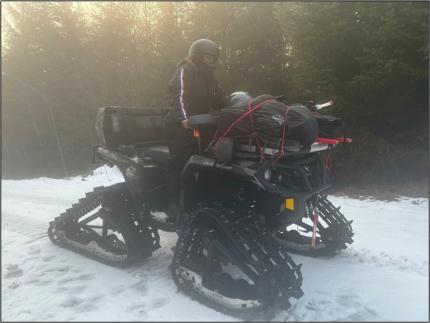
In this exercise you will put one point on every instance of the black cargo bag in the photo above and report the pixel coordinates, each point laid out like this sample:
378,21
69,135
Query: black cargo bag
269,122
230,115
330,127
301,125
127,126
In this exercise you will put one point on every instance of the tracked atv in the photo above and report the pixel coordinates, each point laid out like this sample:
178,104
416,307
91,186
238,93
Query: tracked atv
239,216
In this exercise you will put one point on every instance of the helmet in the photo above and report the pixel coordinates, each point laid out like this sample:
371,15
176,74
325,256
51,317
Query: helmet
204,48
239,98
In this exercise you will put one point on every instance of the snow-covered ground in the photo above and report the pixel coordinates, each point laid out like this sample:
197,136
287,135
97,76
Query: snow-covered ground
382,276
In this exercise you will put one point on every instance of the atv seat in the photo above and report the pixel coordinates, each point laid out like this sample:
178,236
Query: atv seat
159,153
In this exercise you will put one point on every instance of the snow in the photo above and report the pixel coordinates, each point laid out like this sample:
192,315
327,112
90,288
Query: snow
382,276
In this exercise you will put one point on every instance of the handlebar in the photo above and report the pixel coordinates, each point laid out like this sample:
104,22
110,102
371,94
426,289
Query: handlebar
323,105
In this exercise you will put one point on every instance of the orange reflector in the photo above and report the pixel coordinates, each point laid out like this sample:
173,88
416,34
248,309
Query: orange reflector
196,133
289,203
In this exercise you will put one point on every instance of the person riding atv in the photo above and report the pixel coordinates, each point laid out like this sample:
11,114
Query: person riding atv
247,199
193,90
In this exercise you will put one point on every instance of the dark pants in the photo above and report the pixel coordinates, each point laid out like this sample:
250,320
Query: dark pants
182,145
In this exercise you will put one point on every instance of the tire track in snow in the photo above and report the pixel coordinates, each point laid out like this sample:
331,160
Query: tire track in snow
24,225
38,198
324,306
383,259
38,265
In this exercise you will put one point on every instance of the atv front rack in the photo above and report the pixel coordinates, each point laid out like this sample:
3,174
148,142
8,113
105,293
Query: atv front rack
331,141
293,147
289,149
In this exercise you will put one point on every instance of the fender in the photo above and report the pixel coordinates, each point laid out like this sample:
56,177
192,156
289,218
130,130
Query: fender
220,180
130,168
202,163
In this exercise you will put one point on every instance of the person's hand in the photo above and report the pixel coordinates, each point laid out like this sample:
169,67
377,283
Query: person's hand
185,124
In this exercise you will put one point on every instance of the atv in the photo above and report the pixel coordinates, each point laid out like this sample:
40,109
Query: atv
239,217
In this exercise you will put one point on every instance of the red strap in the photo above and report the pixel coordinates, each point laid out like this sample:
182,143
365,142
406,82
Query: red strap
314,228
215,136
328,161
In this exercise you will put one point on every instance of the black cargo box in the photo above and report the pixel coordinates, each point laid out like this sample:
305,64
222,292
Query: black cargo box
127,126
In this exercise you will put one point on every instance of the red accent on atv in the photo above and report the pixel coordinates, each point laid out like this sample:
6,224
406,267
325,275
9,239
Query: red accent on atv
336,141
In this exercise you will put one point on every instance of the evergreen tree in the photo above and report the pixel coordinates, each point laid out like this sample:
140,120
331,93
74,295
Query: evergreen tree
61,61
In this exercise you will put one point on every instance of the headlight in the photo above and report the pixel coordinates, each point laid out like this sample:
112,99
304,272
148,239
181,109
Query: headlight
279,178
267,174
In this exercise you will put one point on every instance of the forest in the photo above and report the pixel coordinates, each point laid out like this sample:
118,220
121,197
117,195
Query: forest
61,61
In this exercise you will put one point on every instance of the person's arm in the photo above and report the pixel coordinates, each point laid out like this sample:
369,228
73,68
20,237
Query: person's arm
182,95
220,99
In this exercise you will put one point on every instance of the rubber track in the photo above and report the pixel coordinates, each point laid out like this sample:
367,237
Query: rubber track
136,233
274,266
335,237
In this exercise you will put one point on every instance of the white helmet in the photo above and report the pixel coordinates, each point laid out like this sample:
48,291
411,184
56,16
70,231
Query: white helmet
239,98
